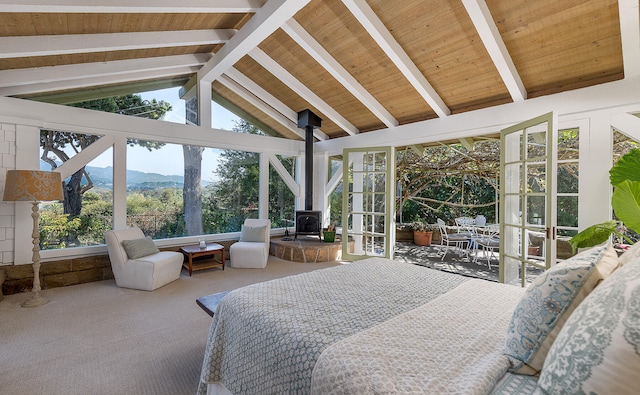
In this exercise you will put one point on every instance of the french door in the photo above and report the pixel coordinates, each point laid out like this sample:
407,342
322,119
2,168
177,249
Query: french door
368,203
527,196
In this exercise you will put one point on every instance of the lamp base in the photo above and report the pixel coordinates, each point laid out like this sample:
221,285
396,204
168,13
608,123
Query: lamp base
35,301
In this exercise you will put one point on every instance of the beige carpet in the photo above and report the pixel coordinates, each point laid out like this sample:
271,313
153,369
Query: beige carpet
100,339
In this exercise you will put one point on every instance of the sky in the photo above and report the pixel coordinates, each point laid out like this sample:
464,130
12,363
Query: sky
141,159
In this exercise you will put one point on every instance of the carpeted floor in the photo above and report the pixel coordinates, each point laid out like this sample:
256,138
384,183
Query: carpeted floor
99,339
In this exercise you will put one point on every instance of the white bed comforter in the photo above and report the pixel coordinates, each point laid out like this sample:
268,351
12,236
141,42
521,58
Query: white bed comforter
451,345
266,338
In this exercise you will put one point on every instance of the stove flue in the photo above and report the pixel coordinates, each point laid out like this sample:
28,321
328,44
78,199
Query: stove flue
308,221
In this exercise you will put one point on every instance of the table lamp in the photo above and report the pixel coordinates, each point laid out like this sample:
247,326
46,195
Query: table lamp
33,186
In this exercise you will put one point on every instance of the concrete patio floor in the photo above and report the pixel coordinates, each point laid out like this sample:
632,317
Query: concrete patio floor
460,264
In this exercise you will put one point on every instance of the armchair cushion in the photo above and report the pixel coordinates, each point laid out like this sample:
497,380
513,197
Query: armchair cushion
253,233
139,248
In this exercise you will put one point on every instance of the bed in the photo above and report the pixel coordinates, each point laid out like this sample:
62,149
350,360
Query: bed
375,326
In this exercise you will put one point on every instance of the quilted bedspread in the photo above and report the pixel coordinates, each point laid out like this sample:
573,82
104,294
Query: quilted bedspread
452,345
266,338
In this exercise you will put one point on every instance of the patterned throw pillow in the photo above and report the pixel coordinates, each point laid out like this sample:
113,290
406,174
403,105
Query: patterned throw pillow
253,233
598,350
549,301
629,255
139,248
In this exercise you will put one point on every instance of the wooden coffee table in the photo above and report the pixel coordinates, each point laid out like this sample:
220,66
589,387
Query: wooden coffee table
194,251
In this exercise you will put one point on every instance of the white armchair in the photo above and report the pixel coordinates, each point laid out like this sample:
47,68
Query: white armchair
252,251
144,267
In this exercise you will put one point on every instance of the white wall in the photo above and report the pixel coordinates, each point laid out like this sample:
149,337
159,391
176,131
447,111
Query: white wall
8,161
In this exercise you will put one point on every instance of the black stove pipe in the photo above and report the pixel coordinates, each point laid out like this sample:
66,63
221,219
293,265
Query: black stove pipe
308,120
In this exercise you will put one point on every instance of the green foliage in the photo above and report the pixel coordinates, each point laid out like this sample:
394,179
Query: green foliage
55,227
593,235
625,178
422,226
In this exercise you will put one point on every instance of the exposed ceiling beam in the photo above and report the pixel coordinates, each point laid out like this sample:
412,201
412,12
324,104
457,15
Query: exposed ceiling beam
132,6
242,114
486,27
374,26
80,95
95,82
467,143
324,58
98,70
283,75
627,124
260,105
271,100
267,20
630,31
17,47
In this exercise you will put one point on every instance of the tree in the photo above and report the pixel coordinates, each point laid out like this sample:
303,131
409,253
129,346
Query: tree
59,142
192,190
235,194
56,142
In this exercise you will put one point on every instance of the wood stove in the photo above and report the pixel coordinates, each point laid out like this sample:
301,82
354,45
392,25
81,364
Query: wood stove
308,222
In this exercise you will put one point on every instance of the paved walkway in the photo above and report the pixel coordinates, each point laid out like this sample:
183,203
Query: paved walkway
454,263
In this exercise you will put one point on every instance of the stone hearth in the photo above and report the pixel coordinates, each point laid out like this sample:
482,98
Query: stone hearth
306,249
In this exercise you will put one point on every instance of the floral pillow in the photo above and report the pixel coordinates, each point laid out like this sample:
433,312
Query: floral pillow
548,303
598,349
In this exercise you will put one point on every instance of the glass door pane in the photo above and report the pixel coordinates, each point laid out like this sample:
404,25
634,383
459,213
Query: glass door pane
528,197
368,217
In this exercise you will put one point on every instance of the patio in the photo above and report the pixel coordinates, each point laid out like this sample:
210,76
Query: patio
430,256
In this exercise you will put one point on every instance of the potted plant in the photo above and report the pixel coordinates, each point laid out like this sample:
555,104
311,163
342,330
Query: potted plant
625,178
329,234
422,233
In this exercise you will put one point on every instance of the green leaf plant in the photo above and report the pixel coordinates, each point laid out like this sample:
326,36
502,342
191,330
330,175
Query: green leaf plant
625,178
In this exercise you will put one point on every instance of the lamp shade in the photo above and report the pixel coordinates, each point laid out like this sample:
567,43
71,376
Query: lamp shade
33,186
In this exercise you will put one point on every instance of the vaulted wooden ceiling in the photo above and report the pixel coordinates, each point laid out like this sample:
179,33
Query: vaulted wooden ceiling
361,65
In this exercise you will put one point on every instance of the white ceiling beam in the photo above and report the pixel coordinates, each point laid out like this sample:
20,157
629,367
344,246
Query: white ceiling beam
630,31
271,100
267,20
627,124
94,83
490,36
16,77
283,75
260,105
132,6
374,26
324,58
49,45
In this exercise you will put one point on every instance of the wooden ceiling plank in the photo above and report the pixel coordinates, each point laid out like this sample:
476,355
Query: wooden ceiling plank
283,75
324,58
267,20
17,47
490,36
94,81
259,104
132,6
630,32
272,101
39,75
374,26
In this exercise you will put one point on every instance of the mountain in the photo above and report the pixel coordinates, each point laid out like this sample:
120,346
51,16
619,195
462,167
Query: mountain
102,177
